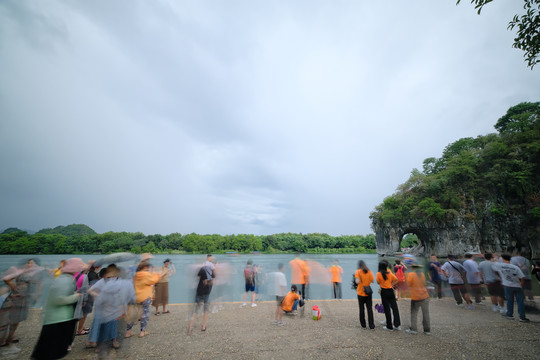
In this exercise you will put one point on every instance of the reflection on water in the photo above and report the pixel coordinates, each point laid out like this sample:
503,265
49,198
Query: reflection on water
231,286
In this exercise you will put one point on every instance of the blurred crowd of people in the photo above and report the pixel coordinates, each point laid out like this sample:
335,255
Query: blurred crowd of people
120,296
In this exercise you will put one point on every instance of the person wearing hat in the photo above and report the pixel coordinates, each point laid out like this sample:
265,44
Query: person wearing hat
162,288
416,280
58,322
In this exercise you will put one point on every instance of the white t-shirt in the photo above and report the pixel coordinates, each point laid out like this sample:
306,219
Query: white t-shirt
278,281
453,272
473,274
523,264
510,274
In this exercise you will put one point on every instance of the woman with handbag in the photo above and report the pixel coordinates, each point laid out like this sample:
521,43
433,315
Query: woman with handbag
363,277
386,281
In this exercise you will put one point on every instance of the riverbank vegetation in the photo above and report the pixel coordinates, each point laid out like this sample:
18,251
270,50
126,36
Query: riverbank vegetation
81,239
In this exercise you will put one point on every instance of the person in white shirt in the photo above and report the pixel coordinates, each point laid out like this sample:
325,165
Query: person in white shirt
473,278
453,270
512,279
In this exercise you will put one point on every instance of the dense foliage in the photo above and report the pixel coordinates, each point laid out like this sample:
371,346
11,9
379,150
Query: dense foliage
71,241
527,26
491,175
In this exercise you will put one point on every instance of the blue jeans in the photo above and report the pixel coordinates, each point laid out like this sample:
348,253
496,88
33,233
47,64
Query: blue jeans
510,292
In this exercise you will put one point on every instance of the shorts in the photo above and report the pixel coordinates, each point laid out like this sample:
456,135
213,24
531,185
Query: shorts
201,299
250,287
495,289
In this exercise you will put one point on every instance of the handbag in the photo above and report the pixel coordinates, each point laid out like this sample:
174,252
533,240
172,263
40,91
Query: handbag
368,290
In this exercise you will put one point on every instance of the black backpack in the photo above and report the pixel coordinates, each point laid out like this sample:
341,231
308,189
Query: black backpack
354,285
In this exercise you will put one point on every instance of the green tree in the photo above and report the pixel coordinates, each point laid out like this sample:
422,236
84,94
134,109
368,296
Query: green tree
527,26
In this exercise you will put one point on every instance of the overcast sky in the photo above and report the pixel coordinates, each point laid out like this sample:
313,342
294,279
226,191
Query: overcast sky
239,116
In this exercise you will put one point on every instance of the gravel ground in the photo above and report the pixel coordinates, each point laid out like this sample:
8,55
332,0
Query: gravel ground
248,333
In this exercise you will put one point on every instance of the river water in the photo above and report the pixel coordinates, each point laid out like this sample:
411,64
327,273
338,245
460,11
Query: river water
181,285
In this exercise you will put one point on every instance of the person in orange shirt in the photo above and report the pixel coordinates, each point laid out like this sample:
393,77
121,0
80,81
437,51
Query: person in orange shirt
143,281
363,278
416,281
336,272
300,275
386,281
289,304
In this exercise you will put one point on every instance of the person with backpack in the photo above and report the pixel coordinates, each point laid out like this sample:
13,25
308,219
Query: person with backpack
401,285
387,281
249,278
453,271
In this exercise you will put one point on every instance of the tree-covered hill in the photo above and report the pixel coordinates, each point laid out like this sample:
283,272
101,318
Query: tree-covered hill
485,180
70,230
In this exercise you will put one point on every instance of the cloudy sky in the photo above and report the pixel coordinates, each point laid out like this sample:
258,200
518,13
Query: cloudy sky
239,116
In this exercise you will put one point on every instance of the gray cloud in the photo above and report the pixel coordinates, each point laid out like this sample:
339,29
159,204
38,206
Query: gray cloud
237,116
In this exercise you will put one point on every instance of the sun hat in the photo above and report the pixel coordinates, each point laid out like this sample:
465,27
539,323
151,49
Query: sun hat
73,265
146,256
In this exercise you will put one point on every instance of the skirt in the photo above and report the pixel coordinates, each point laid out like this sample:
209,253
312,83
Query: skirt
161,294
54,340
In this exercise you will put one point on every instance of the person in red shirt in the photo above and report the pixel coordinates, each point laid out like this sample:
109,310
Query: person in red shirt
416,281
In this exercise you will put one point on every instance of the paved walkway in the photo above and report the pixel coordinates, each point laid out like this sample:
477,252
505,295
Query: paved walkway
247,333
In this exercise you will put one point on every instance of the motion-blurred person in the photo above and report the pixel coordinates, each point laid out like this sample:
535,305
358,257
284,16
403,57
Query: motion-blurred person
473,278
58,322
513,280
113,296
14,309
416,281
279,289
401,285
249,281
222,285
452,270
58,270
336,271
82,281
536,270
387,281
300,275
143,281
206,275
162,288
524,265
493,284
289,304
435,274
363,277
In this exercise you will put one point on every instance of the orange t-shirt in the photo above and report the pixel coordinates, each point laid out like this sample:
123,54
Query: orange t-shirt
143,282
417,284
336,271
386,284
288,301
300,271
365,279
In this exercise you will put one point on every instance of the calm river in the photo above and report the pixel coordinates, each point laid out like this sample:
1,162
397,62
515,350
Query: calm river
182,283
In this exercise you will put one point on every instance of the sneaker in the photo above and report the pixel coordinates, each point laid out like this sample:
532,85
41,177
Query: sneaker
479,303
281,323
495,308
244,304
508,317
427,333
412,332
469,307
502,310
387,329
398,328
524,320
461,304
253,305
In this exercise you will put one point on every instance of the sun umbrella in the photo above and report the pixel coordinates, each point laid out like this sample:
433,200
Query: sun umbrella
115,258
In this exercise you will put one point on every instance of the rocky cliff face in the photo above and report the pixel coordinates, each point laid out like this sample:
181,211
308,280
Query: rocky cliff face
461,235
